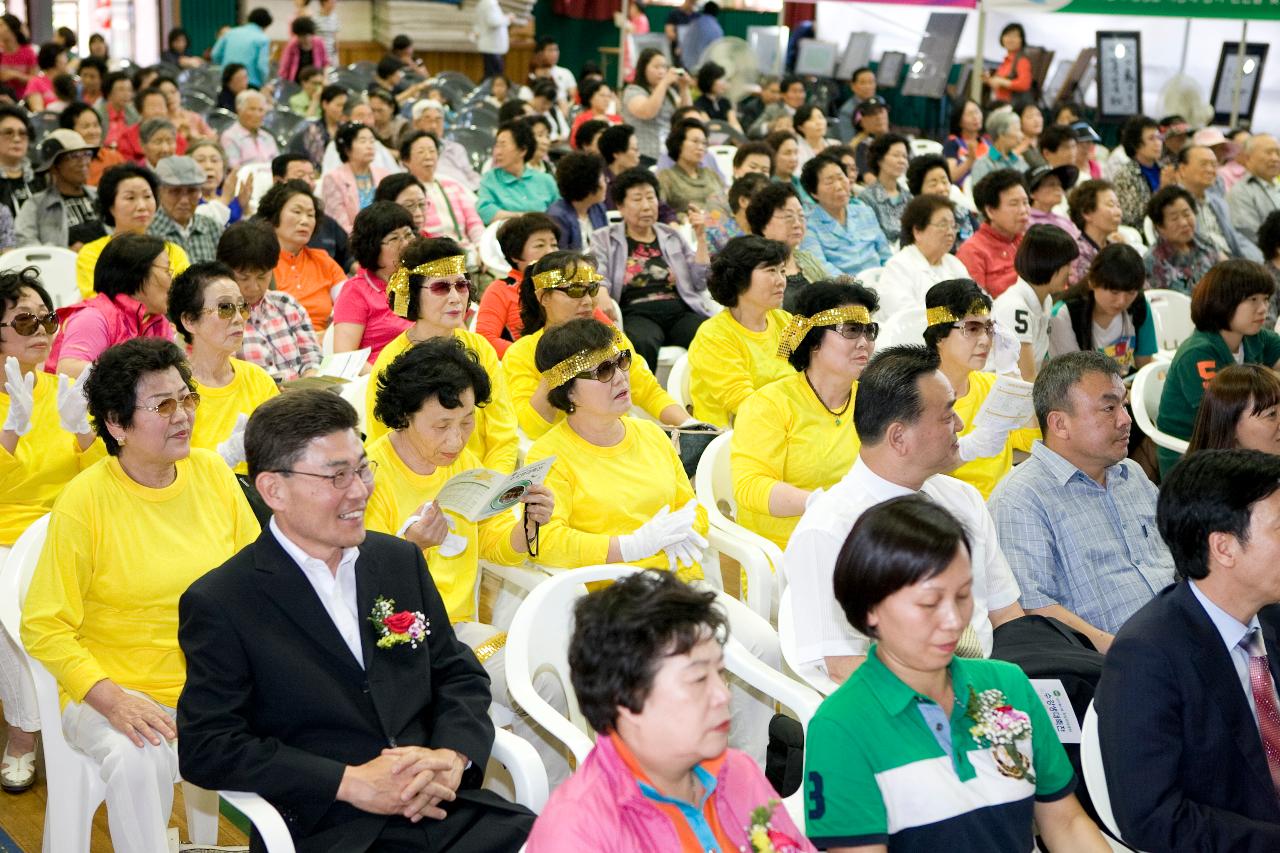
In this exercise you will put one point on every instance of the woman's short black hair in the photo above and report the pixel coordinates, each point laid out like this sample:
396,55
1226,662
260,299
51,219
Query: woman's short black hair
409,141
13,282
1044,250
956,295
622,633
390,187
811,171
228,71
332,92
880,146
421,251
532,315
1165,197
14,23
273,203
803,113
578,175
731,268
110,185
522,135
776,139
987,192
754,148
958,112
920,167
303,26
515,232
889,390
249,246
1269,236
112,387
614,141
140,97
1117,267
438,368
1213,491
1235,392
918,213
675,139
261,17
512,110
371,227
67,118
896,544
623,183
345,137
280,429
384,96
47,57
588,132
1083,199
1227,283
1015,27
557,344
767,201
1131,133
745,188
186,296
587,90
125,263
822,296
708,73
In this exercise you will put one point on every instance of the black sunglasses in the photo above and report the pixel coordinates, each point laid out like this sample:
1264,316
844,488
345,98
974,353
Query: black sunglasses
604,371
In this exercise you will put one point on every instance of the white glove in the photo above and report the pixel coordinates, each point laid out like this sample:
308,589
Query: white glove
232,449
22,400
982,443
1005,350
73,406
688,551
665,529
813,496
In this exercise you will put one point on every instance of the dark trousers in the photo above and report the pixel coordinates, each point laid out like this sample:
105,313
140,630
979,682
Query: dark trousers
659,323
494,63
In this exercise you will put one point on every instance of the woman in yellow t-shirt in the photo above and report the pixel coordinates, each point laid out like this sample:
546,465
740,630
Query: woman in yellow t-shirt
962,332
560,287
45,440
795,437
736,351
208,310
432,288
126,538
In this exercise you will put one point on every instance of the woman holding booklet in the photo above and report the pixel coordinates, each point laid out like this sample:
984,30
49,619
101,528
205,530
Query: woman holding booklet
431,288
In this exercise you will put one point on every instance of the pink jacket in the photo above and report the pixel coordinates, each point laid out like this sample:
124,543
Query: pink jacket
342,197
90,327
289,58
602,809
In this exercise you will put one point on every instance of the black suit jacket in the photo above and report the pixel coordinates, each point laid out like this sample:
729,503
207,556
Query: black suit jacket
1182,754
275,703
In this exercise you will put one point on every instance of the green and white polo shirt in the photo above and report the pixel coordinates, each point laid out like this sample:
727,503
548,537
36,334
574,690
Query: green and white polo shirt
876,771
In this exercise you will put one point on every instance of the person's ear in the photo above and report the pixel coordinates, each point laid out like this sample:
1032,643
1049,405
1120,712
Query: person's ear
1059,425
118,432
898,437
1223,549
271,487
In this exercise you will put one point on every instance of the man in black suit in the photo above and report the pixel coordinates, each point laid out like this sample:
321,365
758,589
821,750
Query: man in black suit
366,734
1187,698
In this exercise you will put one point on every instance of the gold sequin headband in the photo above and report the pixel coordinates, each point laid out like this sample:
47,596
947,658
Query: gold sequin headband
799,326
439,268
562,373
583,273
942,314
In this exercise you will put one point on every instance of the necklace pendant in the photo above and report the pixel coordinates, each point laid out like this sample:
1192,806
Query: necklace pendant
837,422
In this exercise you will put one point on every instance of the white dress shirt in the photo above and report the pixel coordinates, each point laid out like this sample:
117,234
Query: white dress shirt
337,592
821,628
907,277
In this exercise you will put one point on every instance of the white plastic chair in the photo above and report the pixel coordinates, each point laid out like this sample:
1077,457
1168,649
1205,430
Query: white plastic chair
260,174
1149,230
1095,777
1133,237
667,357
870,278
1144,398
57,270
75,786
678,382
925,146
1171,312
724,159
491,252
326,341
905,327
812,674
354,393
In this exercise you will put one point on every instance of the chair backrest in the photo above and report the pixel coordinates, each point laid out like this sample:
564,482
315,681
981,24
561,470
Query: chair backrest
260,174
1095,777
491,252
1171,313
811,674
57,270
21,559
905,327
925,146
713,484
1145,397
354,393
326,340
678,382
724,159
1133,237
870,277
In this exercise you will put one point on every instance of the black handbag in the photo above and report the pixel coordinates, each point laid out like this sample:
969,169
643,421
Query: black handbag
691,442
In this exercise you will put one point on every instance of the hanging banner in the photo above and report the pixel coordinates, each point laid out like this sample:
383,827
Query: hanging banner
1236,9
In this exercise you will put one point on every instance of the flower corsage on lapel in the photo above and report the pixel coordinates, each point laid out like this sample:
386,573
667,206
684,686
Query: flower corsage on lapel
999,725
763,837
397,627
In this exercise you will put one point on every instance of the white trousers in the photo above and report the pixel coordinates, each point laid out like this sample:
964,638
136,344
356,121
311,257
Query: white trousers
17,692
139,780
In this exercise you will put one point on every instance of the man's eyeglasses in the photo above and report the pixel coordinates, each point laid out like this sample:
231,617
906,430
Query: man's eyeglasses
168,407
853,331
606,369
442,288
977,328
26,323
342,479
227,310
577,291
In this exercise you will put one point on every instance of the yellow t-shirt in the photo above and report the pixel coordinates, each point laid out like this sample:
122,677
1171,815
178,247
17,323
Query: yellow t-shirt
983,474
494,440
103,601
45,460
219,407
783,433
87,261
399,492
602,492
727,361
523,378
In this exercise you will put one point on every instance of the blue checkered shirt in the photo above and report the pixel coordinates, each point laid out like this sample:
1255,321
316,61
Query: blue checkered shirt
846,249
1093,549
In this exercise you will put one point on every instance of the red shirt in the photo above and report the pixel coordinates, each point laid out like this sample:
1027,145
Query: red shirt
1019,77
23,59
988,256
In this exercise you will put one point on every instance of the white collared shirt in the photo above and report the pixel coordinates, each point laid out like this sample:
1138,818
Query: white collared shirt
336,591
907,277
821,628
